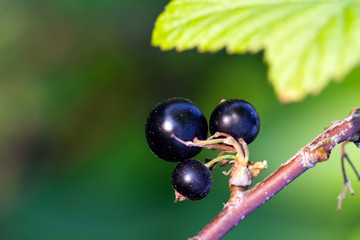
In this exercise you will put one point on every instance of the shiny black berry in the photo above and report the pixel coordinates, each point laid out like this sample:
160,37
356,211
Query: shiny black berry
237,118
176,116
192,179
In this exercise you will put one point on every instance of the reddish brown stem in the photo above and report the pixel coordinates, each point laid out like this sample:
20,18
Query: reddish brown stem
243,202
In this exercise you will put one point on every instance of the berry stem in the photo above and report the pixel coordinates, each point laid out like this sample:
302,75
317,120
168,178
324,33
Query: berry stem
243,202
240,174
209,143
220,158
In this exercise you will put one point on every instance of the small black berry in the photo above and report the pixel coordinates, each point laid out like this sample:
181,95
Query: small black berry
237,118
192,179
176,116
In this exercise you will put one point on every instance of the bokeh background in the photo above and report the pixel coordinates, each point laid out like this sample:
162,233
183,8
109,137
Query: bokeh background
78,79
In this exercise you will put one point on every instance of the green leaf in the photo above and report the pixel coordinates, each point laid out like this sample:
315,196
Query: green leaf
306,42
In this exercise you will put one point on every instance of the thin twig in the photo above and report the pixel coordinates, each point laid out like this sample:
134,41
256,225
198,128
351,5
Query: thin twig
347,183
341,197
343,155
243,202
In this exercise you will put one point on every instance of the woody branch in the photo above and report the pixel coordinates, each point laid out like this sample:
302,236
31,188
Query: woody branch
243,202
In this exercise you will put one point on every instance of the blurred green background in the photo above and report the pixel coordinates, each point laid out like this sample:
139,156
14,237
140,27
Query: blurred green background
78,79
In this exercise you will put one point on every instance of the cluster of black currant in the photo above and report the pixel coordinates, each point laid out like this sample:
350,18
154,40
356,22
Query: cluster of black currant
176,130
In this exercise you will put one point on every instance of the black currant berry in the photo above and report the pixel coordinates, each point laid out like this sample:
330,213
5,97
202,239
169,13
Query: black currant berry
237,118
192,179
176,116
